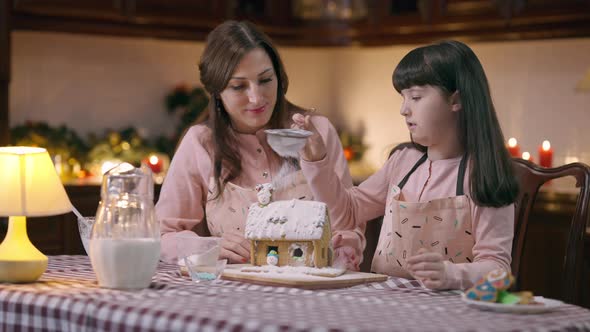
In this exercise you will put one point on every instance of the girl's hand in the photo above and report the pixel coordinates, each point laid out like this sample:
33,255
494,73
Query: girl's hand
235,248
344,257
428,267
315,149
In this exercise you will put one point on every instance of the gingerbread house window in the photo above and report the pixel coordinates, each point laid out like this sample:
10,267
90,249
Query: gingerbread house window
298,253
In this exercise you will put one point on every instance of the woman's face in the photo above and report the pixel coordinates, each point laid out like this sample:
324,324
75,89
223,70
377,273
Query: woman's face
251,94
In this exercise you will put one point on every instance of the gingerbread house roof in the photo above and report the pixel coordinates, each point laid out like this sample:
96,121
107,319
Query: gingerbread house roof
286,220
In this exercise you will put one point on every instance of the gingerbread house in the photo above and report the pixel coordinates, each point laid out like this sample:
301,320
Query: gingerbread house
289,233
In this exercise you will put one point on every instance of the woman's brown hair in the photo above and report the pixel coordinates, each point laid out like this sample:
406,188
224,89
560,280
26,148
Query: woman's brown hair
226,46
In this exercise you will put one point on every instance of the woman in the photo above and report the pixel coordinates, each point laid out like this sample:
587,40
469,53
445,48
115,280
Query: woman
217,165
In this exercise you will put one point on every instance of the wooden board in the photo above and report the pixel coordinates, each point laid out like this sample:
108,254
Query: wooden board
350,278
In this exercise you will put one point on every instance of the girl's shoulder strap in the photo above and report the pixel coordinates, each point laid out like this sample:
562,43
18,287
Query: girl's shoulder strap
420,161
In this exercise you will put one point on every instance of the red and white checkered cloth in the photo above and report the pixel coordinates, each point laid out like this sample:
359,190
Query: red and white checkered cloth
67,298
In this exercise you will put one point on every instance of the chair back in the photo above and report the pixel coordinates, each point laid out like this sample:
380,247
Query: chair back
530,178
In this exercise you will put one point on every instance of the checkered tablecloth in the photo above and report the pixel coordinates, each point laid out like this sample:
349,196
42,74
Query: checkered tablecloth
67,298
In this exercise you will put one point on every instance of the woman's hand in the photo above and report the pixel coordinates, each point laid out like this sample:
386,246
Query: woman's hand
344,257
428,267
315,149
235,248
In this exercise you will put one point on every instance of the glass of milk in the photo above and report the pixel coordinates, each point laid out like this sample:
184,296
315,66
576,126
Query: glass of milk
199,257
124,246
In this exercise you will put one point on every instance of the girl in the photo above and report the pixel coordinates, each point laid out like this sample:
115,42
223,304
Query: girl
211,180
448,202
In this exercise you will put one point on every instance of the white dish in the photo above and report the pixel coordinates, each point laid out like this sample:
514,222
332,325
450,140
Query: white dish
287,142
297,133
546,305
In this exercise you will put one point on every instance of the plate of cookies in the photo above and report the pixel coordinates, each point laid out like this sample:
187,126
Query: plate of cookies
491,293
538,304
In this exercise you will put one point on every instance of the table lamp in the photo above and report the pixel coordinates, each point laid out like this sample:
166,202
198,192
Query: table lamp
29,187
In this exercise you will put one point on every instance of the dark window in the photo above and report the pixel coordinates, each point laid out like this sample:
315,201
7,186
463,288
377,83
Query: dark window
298,252
272,248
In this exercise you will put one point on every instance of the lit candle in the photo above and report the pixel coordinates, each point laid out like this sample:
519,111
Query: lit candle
527,156
348,153
513,147
545,154
156,164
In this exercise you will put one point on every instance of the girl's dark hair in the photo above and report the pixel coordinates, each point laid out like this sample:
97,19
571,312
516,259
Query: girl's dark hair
226,46
453,67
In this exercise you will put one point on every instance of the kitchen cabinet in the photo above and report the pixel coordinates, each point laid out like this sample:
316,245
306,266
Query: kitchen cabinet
313,23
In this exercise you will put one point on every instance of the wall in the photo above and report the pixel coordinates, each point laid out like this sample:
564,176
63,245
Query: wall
532,84
91,83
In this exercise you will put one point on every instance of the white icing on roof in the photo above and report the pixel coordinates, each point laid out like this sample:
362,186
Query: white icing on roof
286,220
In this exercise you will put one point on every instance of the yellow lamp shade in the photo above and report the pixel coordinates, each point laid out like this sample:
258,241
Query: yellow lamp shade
30,187
30,184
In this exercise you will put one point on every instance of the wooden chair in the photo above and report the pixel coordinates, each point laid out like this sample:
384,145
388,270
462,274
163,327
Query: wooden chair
531,178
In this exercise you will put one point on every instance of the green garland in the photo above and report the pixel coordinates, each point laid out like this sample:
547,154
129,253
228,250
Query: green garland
61,140
190,104
125,145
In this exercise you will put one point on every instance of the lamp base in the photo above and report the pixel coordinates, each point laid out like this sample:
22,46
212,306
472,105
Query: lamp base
20,261
22,271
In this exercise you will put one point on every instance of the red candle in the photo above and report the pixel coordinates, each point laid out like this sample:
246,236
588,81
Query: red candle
545,154
348,153
156,164
527,156
513,147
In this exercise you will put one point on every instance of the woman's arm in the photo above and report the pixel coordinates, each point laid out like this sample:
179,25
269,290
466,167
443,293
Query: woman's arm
182,198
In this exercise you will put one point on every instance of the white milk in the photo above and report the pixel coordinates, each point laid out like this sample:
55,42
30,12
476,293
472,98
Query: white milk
124,263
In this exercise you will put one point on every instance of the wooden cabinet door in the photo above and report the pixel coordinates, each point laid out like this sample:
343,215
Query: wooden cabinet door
189,13
86,9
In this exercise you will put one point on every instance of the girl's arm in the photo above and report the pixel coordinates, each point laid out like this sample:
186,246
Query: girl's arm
349,208
182,198
351,238
494,232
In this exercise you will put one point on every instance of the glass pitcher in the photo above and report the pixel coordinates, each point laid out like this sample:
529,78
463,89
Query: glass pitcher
125,239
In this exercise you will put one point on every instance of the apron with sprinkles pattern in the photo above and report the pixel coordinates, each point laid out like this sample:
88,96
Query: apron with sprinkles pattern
441,225
228,212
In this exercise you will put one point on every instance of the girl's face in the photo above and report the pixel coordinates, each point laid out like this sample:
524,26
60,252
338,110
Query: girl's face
430,115
251,94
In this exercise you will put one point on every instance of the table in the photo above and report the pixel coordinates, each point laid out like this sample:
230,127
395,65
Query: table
67,298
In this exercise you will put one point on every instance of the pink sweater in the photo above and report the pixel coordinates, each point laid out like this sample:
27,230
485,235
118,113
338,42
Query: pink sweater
493,228
182,202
